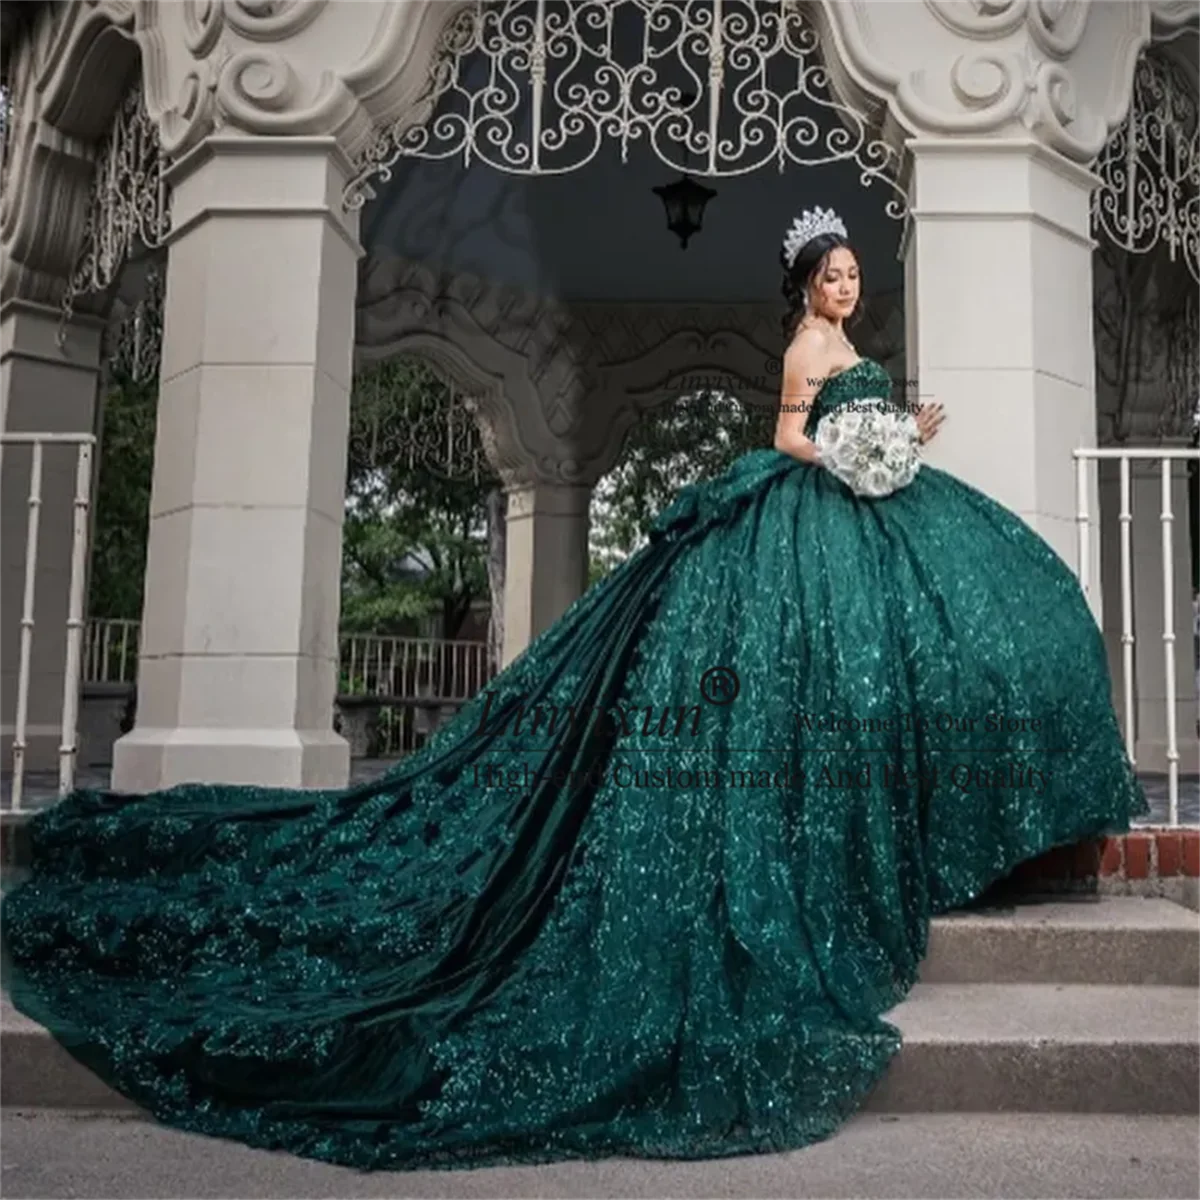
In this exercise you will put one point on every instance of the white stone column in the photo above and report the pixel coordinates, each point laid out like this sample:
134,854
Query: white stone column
239,648
546,565
999,279
45,387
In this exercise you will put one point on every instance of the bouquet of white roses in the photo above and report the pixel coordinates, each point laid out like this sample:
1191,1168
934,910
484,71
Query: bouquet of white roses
871,446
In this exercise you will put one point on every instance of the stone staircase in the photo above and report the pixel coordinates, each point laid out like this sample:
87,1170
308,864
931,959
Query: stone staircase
1082,1004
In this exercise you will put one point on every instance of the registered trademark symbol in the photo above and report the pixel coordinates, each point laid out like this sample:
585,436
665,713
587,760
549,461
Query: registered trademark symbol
720,685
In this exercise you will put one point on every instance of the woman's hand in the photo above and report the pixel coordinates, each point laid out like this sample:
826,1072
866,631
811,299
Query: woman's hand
929,418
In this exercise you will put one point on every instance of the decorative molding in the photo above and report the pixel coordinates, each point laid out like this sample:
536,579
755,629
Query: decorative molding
980,18
263,67
1169,16
204,65
1057,26
49,170
561,384
271,20
240,63
1019,65
492,343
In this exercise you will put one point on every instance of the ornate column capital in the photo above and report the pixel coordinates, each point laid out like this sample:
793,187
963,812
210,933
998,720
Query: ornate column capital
1059,69
251,67
286,67
276,67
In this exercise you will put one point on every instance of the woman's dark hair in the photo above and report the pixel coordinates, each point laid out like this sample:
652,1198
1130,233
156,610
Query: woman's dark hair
799,275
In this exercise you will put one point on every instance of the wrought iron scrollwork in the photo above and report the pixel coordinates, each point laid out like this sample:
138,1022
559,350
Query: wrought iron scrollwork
722,87
134,342
435,429
130,200
1150,168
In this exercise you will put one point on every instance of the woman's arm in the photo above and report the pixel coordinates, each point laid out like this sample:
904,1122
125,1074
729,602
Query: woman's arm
804,366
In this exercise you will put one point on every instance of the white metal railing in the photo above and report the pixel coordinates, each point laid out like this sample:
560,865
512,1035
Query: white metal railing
68,748
409,669
405,686
110,650
1125,457
415,681
400,669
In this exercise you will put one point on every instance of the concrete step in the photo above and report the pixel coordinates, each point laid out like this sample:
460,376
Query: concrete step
921,1156
1082,939
36,1072
1088,1048
1020,1047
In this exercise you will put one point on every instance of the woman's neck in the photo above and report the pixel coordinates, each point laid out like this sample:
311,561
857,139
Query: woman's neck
831,326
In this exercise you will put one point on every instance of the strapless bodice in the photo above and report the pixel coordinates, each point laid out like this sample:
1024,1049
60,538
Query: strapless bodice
865,379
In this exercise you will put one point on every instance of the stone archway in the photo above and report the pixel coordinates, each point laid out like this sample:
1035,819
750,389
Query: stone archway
265,70
994,111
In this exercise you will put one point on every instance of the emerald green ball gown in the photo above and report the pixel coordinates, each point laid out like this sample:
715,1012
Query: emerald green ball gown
649,892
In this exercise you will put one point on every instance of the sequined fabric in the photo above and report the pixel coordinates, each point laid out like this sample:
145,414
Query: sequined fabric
619,905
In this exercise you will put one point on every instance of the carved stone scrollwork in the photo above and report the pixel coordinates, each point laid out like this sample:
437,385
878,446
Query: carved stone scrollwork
1058,114
1060,69
1057,26
1171,15
988,83
559,385
980,18
256,82
271,20
203,21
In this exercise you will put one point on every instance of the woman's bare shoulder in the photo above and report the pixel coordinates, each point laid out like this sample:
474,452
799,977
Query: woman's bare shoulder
809,347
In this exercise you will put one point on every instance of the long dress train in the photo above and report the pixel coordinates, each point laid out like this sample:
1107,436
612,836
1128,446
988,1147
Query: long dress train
648,893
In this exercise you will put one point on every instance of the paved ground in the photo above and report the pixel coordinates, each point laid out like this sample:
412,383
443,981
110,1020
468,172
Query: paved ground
956,1155
42,787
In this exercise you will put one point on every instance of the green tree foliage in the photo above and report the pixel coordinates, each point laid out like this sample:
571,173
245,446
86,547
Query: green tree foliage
122,513
696,437
404,511
416,534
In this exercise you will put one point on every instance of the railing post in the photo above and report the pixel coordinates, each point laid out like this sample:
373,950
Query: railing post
68,748
27,622
1168,519
72,673
1081,522
1166,457
1126,520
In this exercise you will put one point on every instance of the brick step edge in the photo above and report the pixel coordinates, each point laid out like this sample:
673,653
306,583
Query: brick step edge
1156,861
1140,854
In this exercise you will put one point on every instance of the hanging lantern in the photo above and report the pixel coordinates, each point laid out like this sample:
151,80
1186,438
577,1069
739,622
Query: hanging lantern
684,200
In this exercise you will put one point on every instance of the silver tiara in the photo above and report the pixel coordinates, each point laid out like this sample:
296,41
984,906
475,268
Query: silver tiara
807,226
